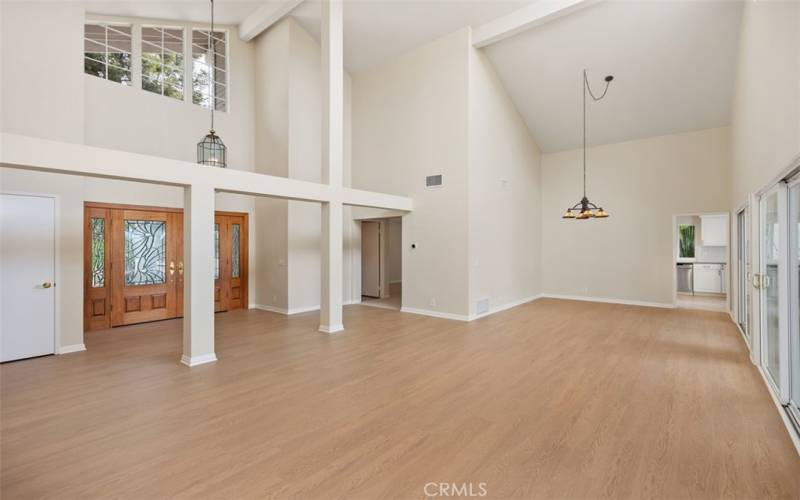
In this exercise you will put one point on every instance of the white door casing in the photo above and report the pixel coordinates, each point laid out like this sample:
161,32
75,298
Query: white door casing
27,272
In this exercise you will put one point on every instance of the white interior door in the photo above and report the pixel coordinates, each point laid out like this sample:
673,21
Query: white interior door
27,272
370,259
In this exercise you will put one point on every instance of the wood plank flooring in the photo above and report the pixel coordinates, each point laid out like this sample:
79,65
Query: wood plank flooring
553,399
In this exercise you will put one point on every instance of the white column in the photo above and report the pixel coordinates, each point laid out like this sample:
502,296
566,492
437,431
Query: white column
332,163
198,275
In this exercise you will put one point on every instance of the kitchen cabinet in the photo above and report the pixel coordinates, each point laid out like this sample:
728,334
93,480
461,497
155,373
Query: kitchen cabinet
709,278
714,230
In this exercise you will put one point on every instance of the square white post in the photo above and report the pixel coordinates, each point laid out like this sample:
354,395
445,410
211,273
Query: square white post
198,275
332,163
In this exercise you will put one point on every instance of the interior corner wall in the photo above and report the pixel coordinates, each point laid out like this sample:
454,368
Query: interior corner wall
642,184
505,234
271,67
410,121
289,127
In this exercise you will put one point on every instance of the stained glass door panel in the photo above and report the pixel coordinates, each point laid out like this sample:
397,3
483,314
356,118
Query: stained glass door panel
237,256
221,264
97,279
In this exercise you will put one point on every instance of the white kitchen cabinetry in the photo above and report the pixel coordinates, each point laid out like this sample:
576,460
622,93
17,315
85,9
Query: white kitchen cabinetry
714,230
709,278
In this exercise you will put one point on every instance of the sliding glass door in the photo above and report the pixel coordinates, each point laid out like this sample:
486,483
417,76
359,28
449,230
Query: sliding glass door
743,270
790,348
774,286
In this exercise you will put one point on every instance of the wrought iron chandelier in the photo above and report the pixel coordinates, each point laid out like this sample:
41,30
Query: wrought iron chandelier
585,209
211,150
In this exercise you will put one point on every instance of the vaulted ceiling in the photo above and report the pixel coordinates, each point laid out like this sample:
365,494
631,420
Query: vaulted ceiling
673,63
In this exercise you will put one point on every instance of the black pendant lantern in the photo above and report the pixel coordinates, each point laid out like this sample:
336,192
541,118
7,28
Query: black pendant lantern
211,150
585,209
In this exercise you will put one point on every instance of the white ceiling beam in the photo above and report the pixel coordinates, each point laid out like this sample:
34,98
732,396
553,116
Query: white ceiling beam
522,19
264,17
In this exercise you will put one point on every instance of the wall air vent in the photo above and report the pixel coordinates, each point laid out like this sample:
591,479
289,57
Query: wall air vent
482,306
433,181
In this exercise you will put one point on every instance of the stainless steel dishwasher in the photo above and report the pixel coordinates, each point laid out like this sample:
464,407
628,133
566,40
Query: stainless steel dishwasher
686,278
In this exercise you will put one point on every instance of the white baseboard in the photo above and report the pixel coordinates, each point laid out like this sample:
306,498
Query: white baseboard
505,307
609,301
66,349
295,310
263,307
435,314
464,317
331,328
198,360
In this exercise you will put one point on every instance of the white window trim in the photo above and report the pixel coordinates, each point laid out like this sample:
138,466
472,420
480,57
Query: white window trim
226,83
136,25
163,28
110,24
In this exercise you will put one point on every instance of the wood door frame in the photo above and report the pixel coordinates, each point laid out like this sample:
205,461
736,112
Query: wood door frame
57,331
244,251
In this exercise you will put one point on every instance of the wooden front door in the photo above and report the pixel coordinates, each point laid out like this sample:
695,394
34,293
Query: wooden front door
145,246
133,264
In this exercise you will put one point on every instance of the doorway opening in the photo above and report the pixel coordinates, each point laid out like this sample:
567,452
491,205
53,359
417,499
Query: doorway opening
381,262
701,261
133,263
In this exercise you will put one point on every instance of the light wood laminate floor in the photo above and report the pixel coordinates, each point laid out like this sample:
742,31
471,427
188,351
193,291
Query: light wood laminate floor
552,399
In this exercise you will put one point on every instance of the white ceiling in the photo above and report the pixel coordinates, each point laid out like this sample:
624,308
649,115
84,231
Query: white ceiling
230,12
673,64
377,30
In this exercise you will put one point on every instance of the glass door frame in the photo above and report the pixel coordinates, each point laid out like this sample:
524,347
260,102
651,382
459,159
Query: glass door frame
790,346
780,386
744,266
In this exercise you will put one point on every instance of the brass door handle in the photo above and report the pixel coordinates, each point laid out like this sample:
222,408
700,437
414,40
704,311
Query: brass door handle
46,284
171,268
180,268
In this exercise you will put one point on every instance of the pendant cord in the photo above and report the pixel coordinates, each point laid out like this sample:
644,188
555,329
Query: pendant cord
211,45
588,88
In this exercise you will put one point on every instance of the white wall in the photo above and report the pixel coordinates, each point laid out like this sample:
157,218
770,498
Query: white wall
409,121
642,184
505,231
42,87
765,128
